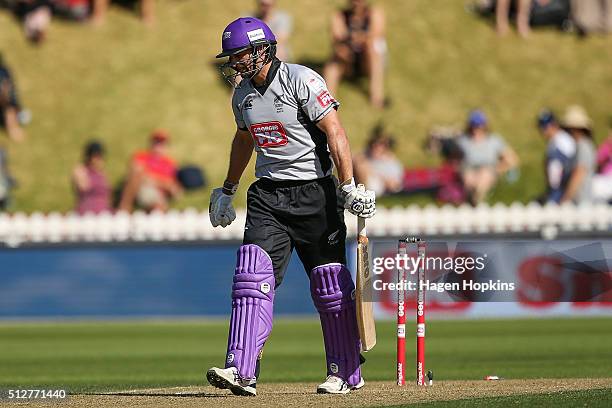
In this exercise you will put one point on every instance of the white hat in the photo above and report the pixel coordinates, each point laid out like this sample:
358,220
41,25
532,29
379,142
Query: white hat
575,117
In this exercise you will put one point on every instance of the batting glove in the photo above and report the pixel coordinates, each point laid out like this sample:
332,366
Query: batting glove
357,199
221,211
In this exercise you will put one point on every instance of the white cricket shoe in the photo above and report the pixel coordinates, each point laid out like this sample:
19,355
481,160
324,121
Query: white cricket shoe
336,385
229,378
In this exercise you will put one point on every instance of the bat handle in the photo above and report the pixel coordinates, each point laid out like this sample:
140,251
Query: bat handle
361,224
361,227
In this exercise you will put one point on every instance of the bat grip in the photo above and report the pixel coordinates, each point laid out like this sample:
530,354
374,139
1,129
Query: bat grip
361,227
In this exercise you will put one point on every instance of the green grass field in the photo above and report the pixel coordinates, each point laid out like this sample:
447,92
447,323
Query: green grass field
120,81
116,356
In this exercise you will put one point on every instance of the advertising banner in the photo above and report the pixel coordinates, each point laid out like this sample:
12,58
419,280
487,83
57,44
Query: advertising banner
495,278
465,279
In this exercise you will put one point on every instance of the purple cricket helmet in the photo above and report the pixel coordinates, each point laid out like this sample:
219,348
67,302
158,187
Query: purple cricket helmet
243,33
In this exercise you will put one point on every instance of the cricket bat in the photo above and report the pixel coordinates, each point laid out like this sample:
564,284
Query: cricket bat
363,292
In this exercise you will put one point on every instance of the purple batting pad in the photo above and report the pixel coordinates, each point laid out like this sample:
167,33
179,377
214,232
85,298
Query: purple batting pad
252,302
332,291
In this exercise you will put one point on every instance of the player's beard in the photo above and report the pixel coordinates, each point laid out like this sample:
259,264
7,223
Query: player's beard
232,71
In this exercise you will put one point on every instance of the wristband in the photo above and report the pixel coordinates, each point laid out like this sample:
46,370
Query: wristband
229,188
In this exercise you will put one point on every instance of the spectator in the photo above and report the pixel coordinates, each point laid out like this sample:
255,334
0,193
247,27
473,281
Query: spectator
280,23
92,189
560,156
147,11
578,124
151,181
36,17
486,157
9,104
602,181
592,15
378,167
359,47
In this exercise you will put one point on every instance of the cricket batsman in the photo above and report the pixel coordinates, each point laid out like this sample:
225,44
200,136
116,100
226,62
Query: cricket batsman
285,112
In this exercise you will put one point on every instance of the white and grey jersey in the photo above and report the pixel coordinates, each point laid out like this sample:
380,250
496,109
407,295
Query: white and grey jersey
281,117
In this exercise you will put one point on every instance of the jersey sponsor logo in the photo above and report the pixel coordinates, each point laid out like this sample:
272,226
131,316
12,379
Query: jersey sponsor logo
325,99
316,85
255,35
269,134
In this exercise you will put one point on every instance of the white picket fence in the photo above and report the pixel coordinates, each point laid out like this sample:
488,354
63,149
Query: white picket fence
192,224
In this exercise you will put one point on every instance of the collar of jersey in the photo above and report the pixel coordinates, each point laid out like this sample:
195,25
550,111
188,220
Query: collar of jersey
276,63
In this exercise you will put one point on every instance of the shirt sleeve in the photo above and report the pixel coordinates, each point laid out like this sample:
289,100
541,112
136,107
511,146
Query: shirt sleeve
238,114
585,156
554,174
313,95
462,142
500,145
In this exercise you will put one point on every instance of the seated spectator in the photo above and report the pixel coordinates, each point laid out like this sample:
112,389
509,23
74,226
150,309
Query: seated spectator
560,156
279,22
92,189
147,11
36,17
577,123
359,47
378,167
602,181
443,181
9,104
592,16
486,157
151,182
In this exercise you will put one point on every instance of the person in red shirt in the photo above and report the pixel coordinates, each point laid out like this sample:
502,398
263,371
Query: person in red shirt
151,182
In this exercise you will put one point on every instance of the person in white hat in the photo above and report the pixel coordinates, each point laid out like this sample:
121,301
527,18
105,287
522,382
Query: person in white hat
579,125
